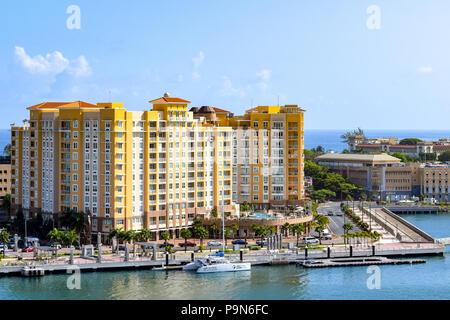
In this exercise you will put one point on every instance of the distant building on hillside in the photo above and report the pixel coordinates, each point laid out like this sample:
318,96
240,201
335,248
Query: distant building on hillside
358,143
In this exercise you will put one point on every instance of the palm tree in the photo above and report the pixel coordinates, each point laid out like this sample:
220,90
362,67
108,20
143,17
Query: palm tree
253,228
6,204
347,227
214,227
262,232
227,235
346,136
115,232
201,233
186,234
165,236
4,237
70,237
214,213
144,235
285,228
298,228
234,226
319,229
309,225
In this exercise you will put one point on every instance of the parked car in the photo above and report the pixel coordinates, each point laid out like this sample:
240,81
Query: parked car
339,213
10,245
310,240
163,245
261,243
28,249
188,244
239,241
214,243
326,236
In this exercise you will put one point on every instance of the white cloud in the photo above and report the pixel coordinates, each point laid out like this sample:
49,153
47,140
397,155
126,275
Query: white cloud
229,90
426,69
198,60
195,75
52,64
264,74
79,67
197,63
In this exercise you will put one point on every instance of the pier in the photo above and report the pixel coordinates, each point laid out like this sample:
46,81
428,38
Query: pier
352,262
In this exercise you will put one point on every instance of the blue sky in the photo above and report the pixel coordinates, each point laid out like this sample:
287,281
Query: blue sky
318,54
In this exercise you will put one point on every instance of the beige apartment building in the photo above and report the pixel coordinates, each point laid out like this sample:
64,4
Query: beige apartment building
435,181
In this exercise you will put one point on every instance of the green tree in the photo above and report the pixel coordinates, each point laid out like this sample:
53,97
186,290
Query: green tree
186,234
298,228
319,229
214,213
7,150
323,194
201,234
261,232
285,228
444,156
144,235
410,141
347,227
346,136
228,235
4,237
69,237
214,227
6,203
165,236
235,228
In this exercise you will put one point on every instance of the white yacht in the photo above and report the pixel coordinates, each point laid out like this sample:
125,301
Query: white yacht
217,262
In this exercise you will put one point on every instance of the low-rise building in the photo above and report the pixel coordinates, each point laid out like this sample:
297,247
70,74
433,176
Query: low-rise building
434,181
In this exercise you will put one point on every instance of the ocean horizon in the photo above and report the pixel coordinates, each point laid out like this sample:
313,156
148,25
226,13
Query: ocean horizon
329,139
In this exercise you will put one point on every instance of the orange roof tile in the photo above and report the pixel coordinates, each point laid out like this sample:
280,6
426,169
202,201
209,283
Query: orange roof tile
57,105
169,99
220,110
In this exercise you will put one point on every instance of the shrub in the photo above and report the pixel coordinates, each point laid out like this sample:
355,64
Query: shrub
201,248
255,248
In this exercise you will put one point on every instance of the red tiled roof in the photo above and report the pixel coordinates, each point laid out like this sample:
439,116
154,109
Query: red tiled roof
220,110
57,105
403,146
369,145
169,99
441,147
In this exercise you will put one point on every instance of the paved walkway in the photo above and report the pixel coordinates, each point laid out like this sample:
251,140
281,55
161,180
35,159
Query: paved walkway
387,237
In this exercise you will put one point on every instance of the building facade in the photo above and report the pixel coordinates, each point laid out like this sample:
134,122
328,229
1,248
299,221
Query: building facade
389,179
268,163
156,169
435,181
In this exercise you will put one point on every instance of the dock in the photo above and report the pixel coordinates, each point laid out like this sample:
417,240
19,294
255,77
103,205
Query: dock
352,262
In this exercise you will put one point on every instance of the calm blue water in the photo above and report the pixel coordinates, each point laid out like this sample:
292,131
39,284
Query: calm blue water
330,139
422,281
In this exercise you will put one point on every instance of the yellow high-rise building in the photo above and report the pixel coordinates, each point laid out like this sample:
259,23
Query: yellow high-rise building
156,169
268,143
